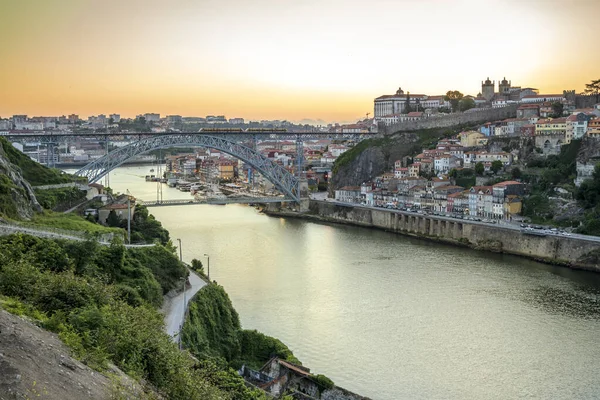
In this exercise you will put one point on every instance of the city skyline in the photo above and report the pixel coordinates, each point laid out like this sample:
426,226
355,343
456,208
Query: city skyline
273,60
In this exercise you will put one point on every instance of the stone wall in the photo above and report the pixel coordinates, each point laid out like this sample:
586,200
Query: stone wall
480,116
563,250
585,101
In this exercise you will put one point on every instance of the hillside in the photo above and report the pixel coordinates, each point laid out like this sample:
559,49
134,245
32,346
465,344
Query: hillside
36,363
372,157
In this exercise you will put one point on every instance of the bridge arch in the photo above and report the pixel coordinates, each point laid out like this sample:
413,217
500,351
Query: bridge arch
275,173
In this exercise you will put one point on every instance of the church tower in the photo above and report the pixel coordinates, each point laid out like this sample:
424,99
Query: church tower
503,87
487,89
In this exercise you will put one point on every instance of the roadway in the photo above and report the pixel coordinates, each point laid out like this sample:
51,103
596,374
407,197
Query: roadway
501,225
174,307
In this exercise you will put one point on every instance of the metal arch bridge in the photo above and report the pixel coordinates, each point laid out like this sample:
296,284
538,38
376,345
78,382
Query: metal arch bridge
279,176
53,137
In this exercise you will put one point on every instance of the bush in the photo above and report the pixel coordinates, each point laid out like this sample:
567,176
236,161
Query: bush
257,348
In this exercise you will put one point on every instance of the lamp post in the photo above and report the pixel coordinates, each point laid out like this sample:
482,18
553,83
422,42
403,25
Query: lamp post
180,255
207,264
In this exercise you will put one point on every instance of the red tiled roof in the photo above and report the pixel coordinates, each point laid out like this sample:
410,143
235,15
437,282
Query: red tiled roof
506,183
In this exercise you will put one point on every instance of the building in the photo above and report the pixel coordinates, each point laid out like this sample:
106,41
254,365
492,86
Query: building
396,103
593,128
348,194
577,126
236,121
116,118
585,170
540,98
472,139
445,162
174,119
481,201
152,117
528,110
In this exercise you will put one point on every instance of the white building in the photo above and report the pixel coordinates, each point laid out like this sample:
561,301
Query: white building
348,194
396,103
151,117
236,121
115,117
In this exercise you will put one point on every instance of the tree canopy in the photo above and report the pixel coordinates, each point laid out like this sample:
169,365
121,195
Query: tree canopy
454,97
479,168
466,103
593,88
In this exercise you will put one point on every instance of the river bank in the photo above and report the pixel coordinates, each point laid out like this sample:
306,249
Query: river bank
557,250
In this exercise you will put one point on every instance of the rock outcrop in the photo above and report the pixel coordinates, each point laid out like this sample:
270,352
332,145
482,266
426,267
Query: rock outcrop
379,156
12,185
35,363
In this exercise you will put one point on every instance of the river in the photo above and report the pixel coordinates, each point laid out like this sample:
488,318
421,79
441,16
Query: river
392,317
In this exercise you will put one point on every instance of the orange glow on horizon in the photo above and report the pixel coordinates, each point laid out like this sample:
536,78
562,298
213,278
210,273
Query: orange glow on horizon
267,59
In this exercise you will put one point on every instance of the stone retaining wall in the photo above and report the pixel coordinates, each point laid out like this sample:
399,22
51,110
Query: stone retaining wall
564,250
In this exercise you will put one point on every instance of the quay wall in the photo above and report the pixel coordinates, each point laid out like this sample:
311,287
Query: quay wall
563,250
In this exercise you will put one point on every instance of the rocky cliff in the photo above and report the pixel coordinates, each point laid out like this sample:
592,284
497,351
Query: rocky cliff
372,157
17,199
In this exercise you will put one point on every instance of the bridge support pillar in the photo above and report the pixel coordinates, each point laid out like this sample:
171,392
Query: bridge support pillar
304,197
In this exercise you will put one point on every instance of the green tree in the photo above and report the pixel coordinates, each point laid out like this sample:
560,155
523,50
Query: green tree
593,88
113,219
588,193
407,107
454,97
516,173
557,109
197,266
466,103
496,166
479,168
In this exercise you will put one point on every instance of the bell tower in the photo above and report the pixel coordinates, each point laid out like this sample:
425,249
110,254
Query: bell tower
487,89
503,87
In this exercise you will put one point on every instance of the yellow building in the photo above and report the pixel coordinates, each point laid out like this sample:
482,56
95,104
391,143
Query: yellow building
226,169
472,139
512,205
557,126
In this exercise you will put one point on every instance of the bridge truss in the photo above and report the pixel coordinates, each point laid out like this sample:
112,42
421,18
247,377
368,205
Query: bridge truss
279,176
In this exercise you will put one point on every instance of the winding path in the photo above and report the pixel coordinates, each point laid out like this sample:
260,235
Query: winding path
174,306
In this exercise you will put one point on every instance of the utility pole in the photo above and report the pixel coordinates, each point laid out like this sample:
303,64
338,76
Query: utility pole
180,254
207,264
128,217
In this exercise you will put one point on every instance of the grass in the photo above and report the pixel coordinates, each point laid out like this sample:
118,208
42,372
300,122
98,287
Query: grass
36,174
69,222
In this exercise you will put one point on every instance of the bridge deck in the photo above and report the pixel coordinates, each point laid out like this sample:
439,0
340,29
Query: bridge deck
229,200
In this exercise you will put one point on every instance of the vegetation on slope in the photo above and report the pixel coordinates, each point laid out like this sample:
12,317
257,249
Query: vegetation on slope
33,172
102,302
212,332
59,199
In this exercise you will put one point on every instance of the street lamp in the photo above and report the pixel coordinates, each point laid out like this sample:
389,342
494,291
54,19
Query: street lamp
207,264
180,255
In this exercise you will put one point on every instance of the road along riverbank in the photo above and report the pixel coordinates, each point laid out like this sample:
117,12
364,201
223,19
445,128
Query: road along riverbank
573,252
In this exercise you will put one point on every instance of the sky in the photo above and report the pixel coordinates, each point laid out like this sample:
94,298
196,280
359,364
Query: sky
281,59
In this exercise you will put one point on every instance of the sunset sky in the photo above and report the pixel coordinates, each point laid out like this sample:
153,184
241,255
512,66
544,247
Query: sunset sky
278,59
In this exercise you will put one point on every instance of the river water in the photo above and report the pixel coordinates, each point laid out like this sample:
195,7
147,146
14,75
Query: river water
392,317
